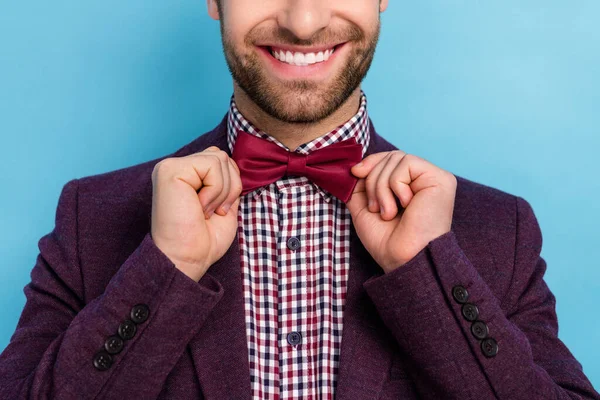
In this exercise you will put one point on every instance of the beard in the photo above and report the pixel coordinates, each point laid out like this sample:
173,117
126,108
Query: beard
301,100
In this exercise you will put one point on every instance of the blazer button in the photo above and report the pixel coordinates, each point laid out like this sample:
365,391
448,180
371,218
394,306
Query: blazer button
479,329
127,329
489,347
470,311
460,294
102,360
293,243
114,344
294,338
139,313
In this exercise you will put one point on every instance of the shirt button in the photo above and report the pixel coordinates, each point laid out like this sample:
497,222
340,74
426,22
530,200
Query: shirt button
102,360
113,344
139,313
127,329
294,338
293,243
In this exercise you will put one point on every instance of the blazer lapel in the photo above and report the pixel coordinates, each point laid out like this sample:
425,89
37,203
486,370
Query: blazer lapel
366,347
220,349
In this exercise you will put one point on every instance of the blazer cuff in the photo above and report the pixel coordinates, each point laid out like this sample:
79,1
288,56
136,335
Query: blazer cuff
416,302
178,307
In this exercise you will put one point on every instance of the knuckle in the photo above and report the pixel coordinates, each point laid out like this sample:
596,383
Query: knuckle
234,165
214,159
222,155
451,178
161,165
237,188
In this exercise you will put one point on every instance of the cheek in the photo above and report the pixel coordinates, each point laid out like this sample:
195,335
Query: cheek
363,13
242,16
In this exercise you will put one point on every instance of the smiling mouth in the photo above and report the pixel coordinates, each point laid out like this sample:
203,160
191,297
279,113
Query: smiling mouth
301,59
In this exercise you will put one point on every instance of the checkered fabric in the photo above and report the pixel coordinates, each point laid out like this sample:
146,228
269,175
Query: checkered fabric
294,242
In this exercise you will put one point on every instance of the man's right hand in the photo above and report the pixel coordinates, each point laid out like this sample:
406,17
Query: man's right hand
188,222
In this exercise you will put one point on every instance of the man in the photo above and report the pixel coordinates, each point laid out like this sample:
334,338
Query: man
263,261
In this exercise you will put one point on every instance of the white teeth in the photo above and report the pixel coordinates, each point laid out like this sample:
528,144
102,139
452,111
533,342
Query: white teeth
298,58
301,59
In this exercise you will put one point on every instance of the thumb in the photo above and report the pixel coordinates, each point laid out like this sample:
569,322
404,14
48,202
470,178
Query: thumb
364,168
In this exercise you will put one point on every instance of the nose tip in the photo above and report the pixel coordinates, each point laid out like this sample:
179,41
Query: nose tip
304,18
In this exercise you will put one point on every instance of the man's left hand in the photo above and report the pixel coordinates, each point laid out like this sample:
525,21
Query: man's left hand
426,196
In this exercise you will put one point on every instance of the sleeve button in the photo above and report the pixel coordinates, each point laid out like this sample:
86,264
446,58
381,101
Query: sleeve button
470,311
139,313
113,344
460,294
102,360
479,329
127,329
489,347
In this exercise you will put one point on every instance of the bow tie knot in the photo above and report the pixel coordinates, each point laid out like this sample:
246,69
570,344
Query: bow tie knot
262,162
296,163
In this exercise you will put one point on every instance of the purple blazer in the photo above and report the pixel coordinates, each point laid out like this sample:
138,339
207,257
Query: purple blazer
406,334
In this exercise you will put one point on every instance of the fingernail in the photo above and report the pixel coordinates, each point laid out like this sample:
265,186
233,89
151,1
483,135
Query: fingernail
359,164
225,207
381,209
370,203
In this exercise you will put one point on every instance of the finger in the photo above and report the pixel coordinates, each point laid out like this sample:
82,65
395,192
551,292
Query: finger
360,186
215,202
362,169
371,183
384,193
232,161
218,202
235,189
412,175
401,181
358,200
207,167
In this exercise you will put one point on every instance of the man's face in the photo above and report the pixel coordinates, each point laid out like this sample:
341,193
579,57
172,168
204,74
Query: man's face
264,40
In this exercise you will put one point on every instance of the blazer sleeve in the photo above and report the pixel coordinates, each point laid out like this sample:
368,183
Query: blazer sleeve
58,348
423,305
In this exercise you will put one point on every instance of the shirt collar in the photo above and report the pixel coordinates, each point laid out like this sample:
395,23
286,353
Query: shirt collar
356,127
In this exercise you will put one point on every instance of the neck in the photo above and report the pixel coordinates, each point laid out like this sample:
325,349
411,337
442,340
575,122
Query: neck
293,135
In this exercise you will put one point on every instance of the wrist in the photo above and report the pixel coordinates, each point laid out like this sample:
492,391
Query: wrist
192,271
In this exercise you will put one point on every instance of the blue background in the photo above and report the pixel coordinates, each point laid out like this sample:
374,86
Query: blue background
501,92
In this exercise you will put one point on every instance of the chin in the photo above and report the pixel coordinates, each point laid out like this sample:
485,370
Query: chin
300,106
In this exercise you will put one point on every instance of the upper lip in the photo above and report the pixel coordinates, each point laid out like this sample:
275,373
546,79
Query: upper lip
300,49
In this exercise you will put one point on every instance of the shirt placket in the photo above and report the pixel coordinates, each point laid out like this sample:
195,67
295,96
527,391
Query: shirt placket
294,349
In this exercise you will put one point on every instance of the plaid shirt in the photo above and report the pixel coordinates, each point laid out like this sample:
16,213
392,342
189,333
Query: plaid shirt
294,246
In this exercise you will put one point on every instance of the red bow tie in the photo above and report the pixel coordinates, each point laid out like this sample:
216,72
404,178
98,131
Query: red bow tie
262,162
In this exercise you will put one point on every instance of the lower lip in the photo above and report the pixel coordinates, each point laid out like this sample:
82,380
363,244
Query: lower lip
316,71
